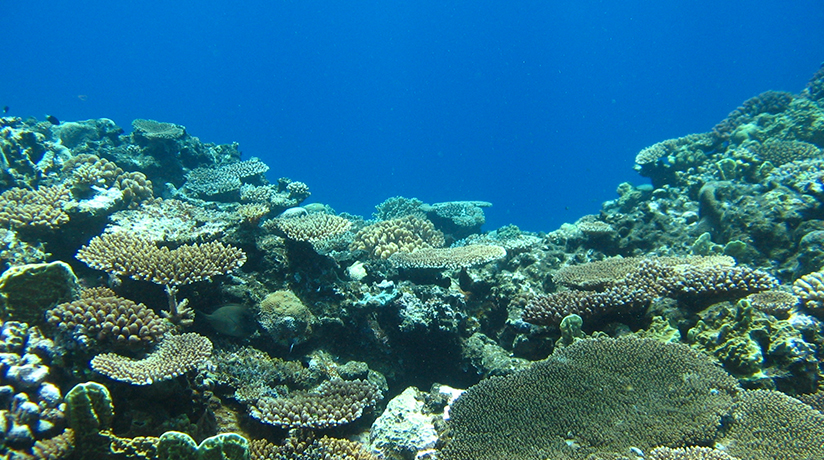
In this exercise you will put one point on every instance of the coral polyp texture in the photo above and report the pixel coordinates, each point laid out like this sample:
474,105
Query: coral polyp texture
222,179
679,321
333,402
108,320
402,234
41,208
810,289
312,228
174,356
451,258
125,254
596,395
628,284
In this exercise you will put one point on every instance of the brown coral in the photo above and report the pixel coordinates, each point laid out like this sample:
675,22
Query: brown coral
332,403
779,152
774,302
41,208
450,258
594,396
312,228
403,234
770,424
176,355
302,445
688,453
108,319
124,254
636,286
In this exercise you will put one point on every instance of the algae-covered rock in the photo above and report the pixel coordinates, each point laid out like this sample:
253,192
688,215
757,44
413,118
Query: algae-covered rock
760,350
27,291
285,318
174,445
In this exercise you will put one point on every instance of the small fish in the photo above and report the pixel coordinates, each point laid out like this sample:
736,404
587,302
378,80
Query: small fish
52,119
231,319
5,109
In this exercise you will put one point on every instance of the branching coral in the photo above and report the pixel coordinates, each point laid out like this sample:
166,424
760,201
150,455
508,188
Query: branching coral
403,234
312,228
41,208
124,254
636,285
176,355
333,402
451,258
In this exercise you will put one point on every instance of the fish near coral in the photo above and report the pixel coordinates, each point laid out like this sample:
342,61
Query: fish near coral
232,319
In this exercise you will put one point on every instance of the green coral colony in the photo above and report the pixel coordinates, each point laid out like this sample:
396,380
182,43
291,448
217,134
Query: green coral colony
161,299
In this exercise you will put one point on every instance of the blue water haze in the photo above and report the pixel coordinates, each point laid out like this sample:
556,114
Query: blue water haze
536,106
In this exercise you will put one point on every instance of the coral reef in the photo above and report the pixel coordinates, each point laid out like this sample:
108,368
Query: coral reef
175,355
661,393
679,320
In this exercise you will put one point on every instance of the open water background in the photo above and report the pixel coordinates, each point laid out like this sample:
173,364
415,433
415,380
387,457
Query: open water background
536,106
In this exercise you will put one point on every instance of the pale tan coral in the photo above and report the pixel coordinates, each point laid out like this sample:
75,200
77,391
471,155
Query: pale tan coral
40,209
127,255
252,213
651,278
810,289
662,149
332,403
312,228
222,179
688,453
108,319
451,258
775,302
152,129
176,355
403,234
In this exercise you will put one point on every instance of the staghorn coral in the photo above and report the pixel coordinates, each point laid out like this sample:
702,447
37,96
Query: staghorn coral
311,228
176,355
651,278
688,453
596,396
214,181
108,320
40,209
334,402
450,258
767,424
403,234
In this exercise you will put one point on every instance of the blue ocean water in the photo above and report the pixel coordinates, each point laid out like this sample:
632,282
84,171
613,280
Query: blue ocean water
536,106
